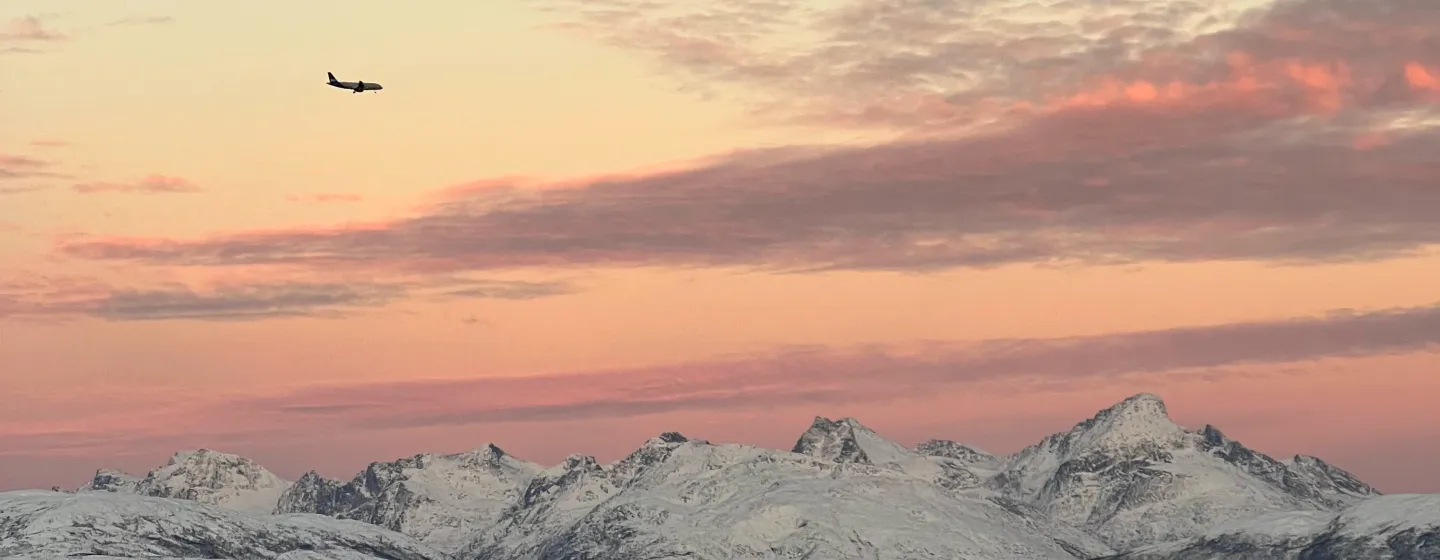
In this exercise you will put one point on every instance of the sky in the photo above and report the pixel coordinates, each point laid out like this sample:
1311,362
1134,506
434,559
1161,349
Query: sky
565,227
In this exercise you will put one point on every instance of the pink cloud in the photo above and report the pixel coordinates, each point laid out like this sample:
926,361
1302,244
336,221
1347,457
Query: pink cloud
152,184
28,29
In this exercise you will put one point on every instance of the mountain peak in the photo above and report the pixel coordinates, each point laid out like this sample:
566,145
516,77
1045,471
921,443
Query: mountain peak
204,455
848,441
216,478
673,437
488,454
1142,419
109,480
1148,404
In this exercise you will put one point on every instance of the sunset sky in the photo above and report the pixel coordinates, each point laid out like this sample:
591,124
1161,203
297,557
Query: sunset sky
566,226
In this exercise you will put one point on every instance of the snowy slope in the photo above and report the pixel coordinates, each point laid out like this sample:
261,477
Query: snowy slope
676,498
560,496
1134,477
51,524
209,477
1381,527
443,500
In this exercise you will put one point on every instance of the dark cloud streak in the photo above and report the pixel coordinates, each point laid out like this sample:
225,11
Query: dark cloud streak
825,375
932,205
47,298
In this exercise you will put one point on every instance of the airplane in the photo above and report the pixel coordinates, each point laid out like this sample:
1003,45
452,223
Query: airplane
354,87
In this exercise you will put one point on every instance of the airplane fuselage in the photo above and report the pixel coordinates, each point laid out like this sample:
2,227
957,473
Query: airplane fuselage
356,87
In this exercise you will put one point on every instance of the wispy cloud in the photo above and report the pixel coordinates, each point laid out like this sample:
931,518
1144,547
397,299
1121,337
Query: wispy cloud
49,143
55,297
1302,133
29,29
324,198
12,166
20,174
153,184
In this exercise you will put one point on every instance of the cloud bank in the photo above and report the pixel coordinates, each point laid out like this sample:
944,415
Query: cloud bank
801,376
1299,132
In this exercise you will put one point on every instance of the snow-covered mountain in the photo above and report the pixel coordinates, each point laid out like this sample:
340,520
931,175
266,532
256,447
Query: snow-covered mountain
35,524
1127,479
1133,477
209,477
1395,526
680,498
848,441
443,500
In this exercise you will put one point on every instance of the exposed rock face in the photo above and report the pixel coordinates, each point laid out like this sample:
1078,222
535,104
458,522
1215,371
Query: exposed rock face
444,500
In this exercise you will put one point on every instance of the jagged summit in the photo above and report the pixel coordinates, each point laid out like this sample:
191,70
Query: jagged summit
1129,465
1143,407
212,477
954,450
848,441
203,454
1137,423
440,499
673,437
109,480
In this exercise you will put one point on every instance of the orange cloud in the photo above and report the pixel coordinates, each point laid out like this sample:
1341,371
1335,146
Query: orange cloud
1421,78
1297,86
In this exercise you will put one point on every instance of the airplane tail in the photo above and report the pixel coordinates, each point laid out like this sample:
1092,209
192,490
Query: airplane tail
332,77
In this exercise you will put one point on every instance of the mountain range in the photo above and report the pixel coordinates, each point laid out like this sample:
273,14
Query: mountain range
1128,483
